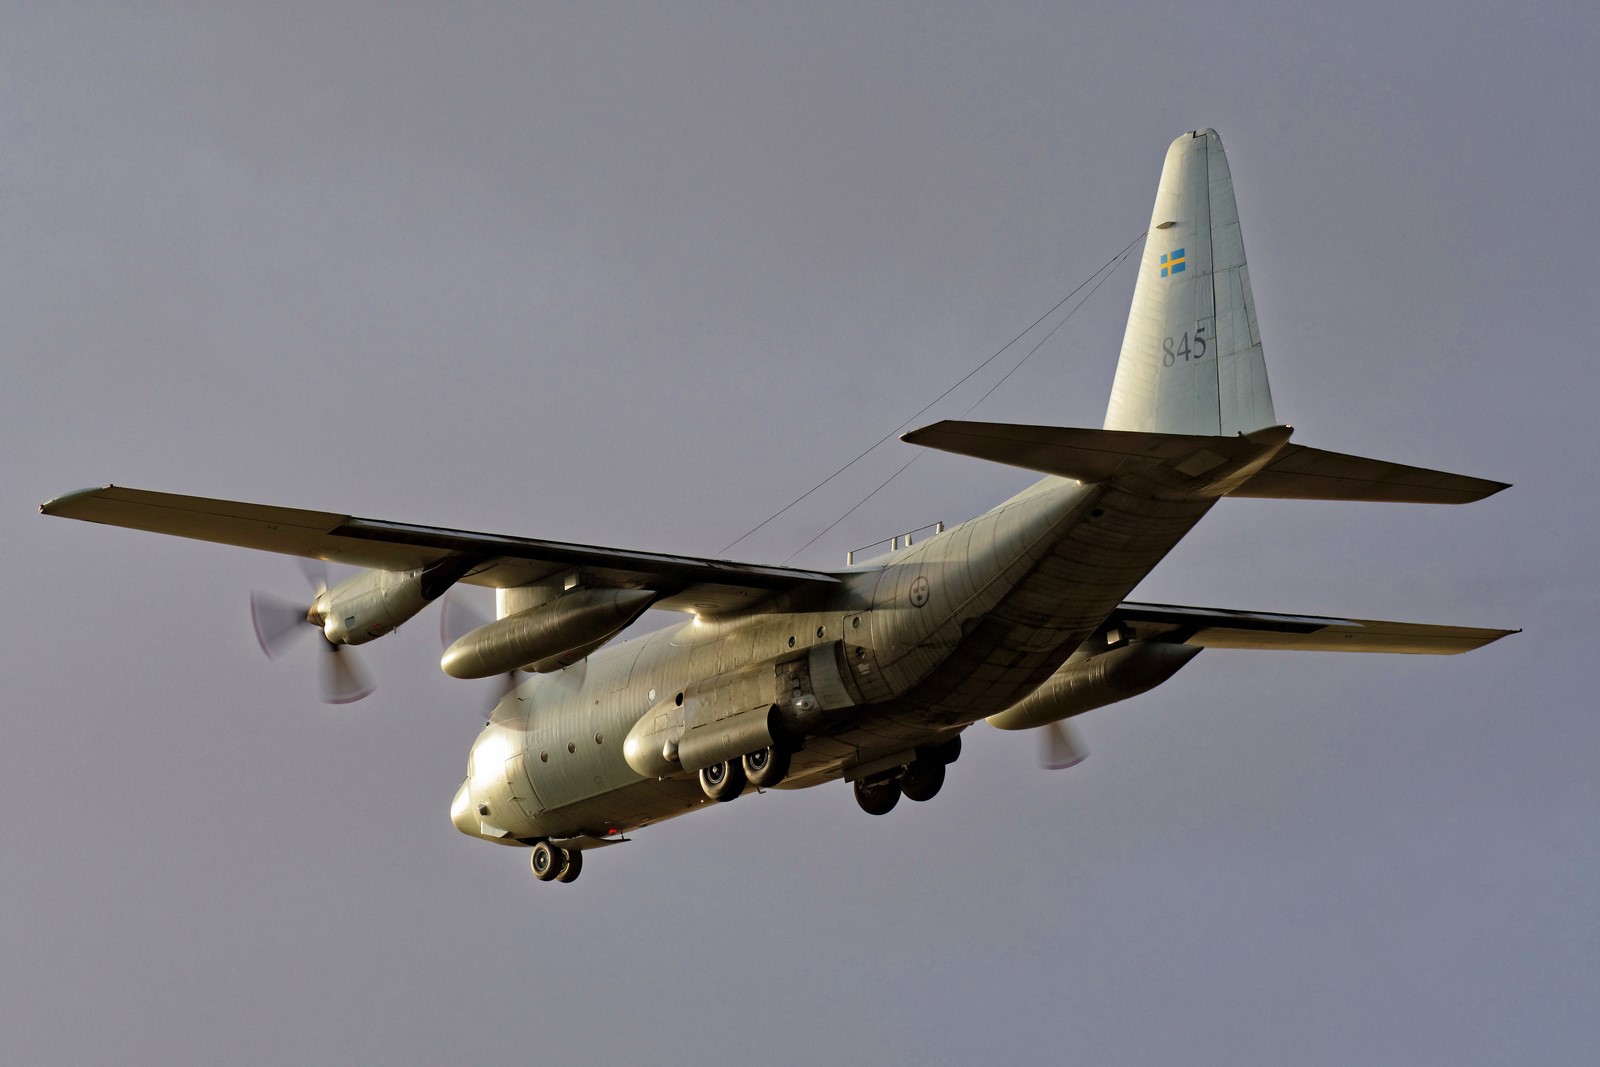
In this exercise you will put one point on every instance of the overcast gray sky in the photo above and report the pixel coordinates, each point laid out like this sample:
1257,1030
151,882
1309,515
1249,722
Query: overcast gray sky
638,275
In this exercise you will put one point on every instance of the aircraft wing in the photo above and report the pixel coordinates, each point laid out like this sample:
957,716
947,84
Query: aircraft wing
1224,628
705,586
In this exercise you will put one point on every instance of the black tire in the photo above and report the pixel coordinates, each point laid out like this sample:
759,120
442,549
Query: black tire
546,861
573,867
923,780
947,752
879,798
723,781
766,767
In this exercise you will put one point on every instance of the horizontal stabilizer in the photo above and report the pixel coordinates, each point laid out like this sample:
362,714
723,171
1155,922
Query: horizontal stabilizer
1080,453
1225,628
1295,472
1300,473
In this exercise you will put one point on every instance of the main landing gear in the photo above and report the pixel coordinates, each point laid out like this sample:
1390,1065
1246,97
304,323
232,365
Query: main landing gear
552,864
877,797
919,780
763,768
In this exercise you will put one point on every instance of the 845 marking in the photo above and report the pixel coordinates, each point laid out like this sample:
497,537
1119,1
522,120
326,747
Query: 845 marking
1185,349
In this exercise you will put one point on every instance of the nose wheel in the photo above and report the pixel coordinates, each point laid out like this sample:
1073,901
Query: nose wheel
552,864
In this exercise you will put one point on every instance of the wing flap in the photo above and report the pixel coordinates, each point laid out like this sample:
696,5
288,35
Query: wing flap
691,583
1224,628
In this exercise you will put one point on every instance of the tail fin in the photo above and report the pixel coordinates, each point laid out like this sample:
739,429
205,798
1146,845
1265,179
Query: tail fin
1190,413
1191,358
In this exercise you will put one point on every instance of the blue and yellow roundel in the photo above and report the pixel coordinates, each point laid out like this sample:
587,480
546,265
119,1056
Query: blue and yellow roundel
1172,262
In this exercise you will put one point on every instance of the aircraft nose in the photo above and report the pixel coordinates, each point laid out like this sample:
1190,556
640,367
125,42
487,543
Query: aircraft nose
461,812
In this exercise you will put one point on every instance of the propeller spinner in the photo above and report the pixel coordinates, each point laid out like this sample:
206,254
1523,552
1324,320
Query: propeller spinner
281,623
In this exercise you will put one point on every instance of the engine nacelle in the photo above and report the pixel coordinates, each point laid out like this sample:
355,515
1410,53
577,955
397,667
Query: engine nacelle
373,603
1088,681
581,618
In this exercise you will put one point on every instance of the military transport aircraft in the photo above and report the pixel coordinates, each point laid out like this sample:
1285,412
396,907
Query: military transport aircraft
792,678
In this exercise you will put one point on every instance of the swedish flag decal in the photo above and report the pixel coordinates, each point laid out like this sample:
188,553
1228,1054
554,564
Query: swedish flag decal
1172,262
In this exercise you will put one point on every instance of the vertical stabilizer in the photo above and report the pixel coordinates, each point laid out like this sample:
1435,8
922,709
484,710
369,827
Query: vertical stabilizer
1191,358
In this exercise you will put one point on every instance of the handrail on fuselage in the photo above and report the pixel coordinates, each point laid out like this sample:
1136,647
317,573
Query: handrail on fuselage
895,543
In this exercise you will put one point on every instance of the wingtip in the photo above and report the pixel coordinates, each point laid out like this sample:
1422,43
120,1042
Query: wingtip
1491,637
1490,488
59,504
918,435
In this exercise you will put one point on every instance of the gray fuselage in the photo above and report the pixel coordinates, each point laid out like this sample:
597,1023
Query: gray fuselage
913,649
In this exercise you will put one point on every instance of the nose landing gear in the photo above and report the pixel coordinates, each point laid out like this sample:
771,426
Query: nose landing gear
552,864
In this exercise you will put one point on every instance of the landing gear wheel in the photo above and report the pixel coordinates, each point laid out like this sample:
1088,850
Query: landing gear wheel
723,781
948,752
766,767
573,867
878,798
923,780
546,861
